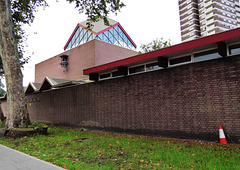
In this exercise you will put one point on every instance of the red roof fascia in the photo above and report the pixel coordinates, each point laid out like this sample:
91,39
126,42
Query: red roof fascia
117,24
78,25
168,50
71,36
108,28
127,35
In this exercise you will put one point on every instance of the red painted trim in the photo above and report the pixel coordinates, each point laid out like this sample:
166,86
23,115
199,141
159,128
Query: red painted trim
78,25
88,29
108,28
127,35
118,24
168,50
71,36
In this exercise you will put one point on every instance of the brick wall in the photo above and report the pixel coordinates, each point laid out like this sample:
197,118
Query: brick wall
187,101
87,55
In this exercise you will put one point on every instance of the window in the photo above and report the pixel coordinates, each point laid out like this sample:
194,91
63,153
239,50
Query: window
152,66
190,17
180,60
206,55
137,69
234,49
210,25
190,22
191,33
191,28
116,36
104,76
208,7
115,74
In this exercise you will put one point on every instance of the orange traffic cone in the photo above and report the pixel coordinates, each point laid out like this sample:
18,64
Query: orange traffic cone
222,137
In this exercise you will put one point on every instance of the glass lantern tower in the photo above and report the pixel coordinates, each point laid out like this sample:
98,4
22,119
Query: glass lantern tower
114,34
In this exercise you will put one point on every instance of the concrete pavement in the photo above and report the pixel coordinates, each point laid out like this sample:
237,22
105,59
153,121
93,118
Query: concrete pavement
14,160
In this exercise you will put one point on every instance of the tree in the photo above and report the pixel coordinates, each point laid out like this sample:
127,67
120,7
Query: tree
154,45
2,118
2,93
97,9
17,113
15,13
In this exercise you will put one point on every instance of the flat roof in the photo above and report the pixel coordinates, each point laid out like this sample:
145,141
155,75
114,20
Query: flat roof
227,37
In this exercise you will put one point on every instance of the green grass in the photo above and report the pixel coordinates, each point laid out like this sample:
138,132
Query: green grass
73,149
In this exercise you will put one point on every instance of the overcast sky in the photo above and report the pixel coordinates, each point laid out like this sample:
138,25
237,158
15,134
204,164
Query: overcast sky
143,20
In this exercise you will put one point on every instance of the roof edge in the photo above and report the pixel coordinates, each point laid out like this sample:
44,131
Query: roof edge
97,33
168,50
69,39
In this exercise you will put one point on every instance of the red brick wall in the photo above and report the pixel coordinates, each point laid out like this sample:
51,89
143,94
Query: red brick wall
187,101
106,53
90,54
79,58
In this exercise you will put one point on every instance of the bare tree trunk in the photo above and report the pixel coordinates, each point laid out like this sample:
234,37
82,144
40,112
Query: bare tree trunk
17,113
1,114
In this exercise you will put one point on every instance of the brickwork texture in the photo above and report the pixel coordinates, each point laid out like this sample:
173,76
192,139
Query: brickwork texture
187,101
87,55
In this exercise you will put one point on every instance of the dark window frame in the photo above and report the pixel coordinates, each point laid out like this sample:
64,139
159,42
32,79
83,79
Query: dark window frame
234,47
180,60
131,69
105,76
201,56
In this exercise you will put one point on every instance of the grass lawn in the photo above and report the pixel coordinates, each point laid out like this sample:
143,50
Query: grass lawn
73,149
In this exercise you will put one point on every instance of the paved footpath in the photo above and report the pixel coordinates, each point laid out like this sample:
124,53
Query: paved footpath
14,160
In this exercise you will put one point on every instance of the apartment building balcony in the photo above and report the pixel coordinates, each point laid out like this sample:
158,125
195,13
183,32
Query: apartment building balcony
209,15
210,21
209,9
208,3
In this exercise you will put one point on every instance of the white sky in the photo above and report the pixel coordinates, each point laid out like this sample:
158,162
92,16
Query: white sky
143,20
